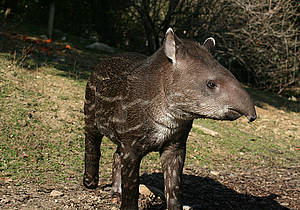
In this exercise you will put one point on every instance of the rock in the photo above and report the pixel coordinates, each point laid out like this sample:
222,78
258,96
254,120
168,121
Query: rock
56,193
285,204
44,37
215,173
207,131
292,98
101,46
145,190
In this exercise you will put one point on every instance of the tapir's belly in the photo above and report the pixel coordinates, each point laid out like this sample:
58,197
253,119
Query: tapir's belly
129,123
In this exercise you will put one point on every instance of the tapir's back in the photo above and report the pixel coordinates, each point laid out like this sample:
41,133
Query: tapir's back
107,86
111,74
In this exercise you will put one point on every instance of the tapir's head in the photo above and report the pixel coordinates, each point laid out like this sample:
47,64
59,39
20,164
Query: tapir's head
201,87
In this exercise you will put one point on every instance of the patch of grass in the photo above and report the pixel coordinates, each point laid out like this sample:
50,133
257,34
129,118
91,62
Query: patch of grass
42,136
241,145
41,125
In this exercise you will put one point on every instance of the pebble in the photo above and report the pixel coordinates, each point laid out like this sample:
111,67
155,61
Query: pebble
56,193
285,204
215,173
293,98
145,190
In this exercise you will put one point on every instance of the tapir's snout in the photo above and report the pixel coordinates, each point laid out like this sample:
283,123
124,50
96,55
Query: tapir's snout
246,110
252,116
239,102
245,105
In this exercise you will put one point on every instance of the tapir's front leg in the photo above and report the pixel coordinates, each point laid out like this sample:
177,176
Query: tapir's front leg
130,165
172,158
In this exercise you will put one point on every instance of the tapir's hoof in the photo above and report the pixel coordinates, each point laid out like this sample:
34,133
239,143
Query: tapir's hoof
90,183
116,197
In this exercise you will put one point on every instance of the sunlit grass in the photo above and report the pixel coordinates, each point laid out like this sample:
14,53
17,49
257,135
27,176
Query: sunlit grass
42,131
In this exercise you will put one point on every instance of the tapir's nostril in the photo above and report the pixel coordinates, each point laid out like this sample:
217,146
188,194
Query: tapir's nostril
252,117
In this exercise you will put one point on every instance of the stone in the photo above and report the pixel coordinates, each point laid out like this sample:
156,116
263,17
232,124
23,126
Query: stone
101,46
56,193
187,208
292,98
145,190
207,131
215,173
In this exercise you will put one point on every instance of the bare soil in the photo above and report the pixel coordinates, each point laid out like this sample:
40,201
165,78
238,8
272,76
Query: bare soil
257,188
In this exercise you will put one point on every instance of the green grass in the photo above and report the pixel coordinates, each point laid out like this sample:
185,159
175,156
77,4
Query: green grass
42,136
242,148
37,144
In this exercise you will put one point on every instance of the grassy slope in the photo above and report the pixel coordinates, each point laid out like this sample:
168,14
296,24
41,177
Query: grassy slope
41,120
42,138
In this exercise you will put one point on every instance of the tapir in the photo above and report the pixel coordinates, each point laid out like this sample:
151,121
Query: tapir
146,104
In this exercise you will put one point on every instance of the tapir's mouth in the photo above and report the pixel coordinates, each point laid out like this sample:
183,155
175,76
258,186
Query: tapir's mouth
233,114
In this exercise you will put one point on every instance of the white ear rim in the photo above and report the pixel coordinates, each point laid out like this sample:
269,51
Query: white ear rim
169,45
209,43
212,39
170,30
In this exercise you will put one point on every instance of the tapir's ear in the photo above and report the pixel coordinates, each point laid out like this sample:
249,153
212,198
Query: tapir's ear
169,45
209,43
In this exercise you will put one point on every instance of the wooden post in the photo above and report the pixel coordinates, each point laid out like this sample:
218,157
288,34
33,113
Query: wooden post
51,19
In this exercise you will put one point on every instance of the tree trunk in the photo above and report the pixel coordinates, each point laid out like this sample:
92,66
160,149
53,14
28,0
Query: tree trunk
10,7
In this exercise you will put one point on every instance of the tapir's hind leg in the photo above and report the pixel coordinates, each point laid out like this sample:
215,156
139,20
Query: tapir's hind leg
116,175
92,140
92,157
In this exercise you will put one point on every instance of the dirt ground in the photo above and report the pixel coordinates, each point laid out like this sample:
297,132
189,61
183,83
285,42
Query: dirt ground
262,187
257,188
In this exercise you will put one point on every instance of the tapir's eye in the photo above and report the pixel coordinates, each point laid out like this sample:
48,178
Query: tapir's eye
211,84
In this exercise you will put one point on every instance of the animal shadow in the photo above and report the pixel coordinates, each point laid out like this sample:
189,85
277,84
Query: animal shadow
201,193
